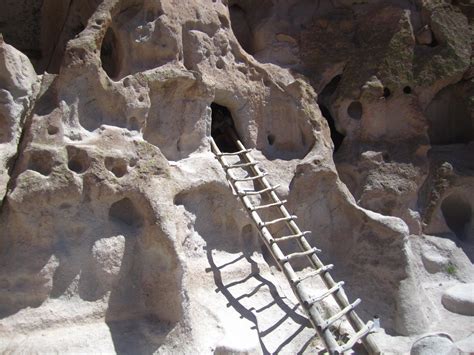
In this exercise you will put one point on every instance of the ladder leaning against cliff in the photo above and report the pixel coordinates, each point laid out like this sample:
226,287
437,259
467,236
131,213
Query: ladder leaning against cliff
308,302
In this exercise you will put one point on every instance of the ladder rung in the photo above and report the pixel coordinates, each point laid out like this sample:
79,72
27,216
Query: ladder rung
259,192
293,236
250,178
243,165
299,254
233,153
325,294
289,218
313,273
356,337
339,315
279,203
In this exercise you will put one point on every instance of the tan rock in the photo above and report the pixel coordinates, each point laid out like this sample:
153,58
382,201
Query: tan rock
119,232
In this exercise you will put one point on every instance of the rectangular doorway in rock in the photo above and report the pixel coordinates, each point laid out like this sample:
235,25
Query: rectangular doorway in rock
223,129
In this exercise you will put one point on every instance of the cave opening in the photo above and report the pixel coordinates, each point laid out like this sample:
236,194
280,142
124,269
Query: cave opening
354,110
223,129
241,27
449,120
41,39
109,55
323,102
336,136
457,213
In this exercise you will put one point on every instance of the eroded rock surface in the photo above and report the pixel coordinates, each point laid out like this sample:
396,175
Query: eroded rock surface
119,230
460,299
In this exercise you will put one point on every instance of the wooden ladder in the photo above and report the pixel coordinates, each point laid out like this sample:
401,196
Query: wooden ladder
307,300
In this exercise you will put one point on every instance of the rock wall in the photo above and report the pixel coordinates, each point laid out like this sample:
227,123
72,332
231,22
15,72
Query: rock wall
119,231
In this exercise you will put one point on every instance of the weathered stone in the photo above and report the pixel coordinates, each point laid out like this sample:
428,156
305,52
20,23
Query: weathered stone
434,344
119,230
460,299
433,261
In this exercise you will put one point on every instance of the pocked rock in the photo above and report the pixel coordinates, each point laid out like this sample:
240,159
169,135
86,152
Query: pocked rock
460,299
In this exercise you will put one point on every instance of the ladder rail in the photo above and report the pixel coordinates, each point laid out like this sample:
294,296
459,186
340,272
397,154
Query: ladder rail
340,296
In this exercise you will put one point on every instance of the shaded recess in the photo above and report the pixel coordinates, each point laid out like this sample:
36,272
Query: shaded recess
140,37
245,16
111,246
41,28
219,219
449,118
41,161
78,159
241,27
457,213
324,99
354,110
6,132
124,211
109,55
118,166
336,136
223,129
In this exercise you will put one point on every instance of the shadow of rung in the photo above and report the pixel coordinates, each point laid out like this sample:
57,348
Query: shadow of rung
208,269
253,292
277,324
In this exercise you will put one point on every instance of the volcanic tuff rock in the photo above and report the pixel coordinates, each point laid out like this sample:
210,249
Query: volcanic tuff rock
119,232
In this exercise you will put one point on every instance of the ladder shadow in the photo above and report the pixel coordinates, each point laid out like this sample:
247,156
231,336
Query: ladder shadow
250,313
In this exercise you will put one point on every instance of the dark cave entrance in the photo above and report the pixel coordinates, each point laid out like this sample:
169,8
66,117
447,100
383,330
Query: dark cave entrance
27,25
241,27
109,55
449,120
457,213
223,129
336,136
324,99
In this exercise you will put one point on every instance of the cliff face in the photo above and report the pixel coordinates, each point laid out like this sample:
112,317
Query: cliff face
119,232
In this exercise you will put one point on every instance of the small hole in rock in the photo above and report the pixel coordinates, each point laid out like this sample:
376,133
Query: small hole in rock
52,130
99,21
119,171
220,64
141,98
125,211
355,110
407,90
386,92
126,82
271,139
457,213
41,161
118,166
224,21
78,159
